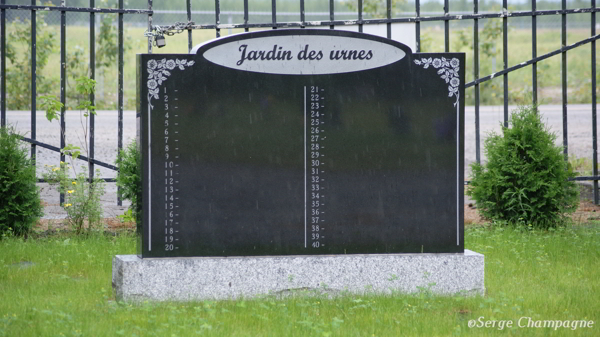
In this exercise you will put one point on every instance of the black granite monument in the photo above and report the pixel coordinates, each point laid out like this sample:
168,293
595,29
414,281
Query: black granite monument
295,142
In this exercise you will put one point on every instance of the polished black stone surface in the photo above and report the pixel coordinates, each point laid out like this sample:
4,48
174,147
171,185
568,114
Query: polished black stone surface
234,163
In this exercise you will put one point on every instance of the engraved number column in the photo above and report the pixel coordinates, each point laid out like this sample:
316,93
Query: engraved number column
316,173
171,150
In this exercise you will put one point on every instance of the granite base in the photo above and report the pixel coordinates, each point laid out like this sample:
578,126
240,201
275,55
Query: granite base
201,278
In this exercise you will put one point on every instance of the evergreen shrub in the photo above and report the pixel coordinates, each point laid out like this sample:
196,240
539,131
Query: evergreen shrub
526,179
129,178
20,204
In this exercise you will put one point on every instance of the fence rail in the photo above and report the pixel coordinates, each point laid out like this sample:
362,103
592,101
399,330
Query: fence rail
390,18
76,9
444,18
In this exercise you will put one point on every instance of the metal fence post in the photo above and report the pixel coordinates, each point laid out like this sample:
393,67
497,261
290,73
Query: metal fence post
446,27
33,79
505,57
150,27
218,17
417,26
246,13
331,13
360,15
120,97
3,65
63,83
273,12
564,80
534,53
594,108
388,11
189,18
92,122
476,75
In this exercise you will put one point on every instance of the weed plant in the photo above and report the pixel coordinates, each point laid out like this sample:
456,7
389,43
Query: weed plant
82,192
526,179
20,204
581,166
82,198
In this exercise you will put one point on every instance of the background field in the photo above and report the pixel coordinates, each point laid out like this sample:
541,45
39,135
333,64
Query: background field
519,50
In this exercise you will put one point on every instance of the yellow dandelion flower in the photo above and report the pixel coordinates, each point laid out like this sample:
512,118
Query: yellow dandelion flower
74,183
55,169
68,205
70,191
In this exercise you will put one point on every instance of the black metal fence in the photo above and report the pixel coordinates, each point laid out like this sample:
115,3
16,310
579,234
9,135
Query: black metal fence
63,10
338,18
446,18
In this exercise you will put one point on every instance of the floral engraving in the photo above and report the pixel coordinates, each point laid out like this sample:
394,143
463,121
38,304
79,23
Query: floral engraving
159,71
448,71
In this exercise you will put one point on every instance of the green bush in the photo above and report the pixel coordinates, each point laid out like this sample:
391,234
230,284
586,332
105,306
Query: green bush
129,178
20,204
525,180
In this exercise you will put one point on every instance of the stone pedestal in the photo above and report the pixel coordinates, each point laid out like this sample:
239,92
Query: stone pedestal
200,278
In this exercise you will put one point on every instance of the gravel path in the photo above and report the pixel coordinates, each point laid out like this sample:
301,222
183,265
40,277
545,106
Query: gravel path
579,126
105,150
579,139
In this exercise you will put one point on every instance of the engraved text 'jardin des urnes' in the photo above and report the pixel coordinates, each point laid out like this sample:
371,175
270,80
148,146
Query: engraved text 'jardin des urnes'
304,55
278,53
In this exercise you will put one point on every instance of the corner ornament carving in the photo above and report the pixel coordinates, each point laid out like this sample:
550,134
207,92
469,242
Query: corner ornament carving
159,71
448,71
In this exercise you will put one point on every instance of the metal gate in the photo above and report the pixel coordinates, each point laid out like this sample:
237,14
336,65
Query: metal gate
156,34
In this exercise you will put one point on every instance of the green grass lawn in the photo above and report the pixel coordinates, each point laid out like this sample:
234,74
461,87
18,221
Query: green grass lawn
61,286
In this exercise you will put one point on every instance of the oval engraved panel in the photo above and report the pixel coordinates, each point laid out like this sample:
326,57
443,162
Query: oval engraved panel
304,54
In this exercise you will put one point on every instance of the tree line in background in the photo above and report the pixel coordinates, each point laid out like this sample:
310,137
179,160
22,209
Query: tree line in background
18,54
18,51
